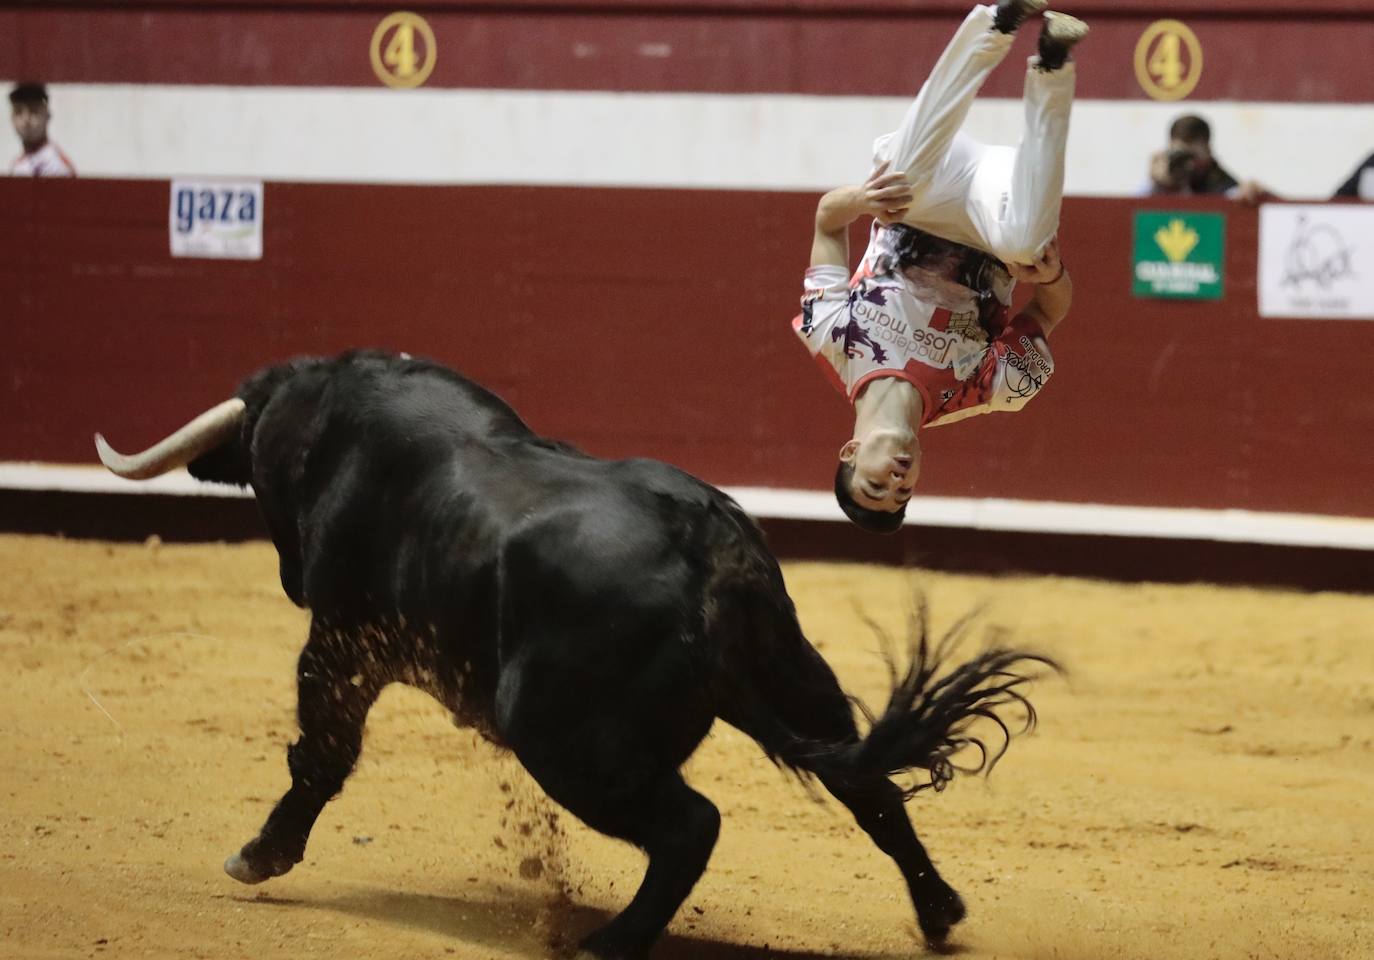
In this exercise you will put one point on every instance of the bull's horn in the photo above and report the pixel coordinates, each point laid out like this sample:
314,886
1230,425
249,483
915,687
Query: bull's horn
202,434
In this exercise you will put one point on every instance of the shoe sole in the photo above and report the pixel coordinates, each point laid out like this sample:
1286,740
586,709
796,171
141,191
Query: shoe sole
1064,29
1031,8
1025,9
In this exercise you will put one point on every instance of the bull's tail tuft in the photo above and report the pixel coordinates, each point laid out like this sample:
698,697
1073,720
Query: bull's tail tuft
931,712
932,716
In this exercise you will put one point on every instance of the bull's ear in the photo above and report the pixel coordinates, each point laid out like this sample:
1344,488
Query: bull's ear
227,463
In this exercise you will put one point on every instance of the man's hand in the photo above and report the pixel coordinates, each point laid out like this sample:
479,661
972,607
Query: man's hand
1252,193
1046,269
886,196
1171,169
1054,287
883,196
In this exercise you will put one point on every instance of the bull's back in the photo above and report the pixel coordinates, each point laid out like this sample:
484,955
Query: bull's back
625,534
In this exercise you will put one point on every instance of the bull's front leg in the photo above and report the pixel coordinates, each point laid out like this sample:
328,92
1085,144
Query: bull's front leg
337,683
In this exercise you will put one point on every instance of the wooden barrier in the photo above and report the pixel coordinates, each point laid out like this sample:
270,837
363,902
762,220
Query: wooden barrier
642,322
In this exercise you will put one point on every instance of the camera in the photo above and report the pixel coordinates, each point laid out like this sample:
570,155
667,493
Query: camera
1181,161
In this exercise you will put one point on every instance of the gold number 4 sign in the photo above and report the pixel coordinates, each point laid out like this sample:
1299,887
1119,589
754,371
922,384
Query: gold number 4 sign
403,50
1168,60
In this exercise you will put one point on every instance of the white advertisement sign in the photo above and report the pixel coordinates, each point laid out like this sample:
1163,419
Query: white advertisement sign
218,219
1316,261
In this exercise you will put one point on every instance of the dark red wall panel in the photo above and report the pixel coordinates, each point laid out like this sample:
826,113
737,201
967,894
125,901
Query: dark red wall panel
1161,8
1294,51
643,322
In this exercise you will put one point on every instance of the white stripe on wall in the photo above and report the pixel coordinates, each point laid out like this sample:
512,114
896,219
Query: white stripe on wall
728,141
1022,516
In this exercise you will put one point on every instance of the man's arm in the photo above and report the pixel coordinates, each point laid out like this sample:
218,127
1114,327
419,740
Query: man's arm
884,196
1251,192
1051,302
835,212
1054,287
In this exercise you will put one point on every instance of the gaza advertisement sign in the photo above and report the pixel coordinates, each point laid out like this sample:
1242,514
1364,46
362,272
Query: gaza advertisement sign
216,219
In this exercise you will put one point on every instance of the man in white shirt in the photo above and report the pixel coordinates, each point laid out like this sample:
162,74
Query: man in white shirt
30,115
922,334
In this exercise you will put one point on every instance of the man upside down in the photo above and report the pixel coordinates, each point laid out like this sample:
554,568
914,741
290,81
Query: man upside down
921,334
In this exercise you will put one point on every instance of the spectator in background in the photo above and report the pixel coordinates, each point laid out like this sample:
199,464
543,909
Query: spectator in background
1188,167
30,115
1360,186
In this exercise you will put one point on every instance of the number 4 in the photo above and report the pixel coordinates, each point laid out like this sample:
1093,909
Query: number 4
400,52
1165,63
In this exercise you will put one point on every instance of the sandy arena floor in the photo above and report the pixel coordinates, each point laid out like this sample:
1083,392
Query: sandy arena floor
1202,786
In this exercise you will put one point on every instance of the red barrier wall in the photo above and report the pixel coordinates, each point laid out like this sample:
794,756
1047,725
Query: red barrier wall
640,322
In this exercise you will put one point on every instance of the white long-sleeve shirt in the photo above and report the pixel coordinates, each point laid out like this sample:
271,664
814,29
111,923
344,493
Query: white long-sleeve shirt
47,161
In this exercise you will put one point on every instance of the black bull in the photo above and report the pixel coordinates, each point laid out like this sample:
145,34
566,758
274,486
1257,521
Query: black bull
594,617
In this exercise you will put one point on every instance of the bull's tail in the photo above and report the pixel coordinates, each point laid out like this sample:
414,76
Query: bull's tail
933,712
939,720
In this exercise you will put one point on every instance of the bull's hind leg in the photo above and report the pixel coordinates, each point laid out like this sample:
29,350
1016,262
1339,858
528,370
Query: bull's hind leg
879,810
336,686
617,771
672,823
803,693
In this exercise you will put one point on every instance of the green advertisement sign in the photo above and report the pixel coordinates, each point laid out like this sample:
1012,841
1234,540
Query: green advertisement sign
1178,255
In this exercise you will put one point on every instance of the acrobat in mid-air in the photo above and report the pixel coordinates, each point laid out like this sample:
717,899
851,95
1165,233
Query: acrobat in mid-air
921,334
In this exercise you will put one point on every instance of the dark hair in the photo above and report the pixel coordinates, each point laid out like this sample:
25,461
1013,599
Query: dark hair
1190,128
28,93
874,521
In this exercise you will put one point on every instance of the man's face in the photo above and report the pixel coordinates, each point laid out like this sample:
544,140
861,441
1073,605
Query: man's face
31,123
886,465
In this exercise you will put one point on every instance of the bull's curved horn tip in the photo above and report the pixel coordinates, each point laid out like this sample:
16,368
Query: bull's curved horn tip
102,447
113,460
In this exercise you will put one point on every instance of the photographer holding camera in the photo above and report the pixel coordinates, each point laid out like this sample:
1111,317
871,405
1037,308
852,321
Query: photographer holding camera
1188,167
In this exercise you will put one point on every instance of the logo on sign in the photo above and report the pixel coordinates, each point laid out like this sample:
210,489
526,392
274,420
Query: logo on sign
1177,240
207,205
216,219
1319,255
1179,255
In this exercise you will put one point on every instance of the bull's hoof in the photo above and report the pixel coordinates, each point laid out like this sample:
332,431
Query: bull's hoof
603,944
940,913
242,871
245,867
585,954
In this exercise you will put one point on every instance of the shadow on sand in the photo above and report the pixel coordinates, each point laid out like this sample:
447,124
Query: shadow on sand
536,926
